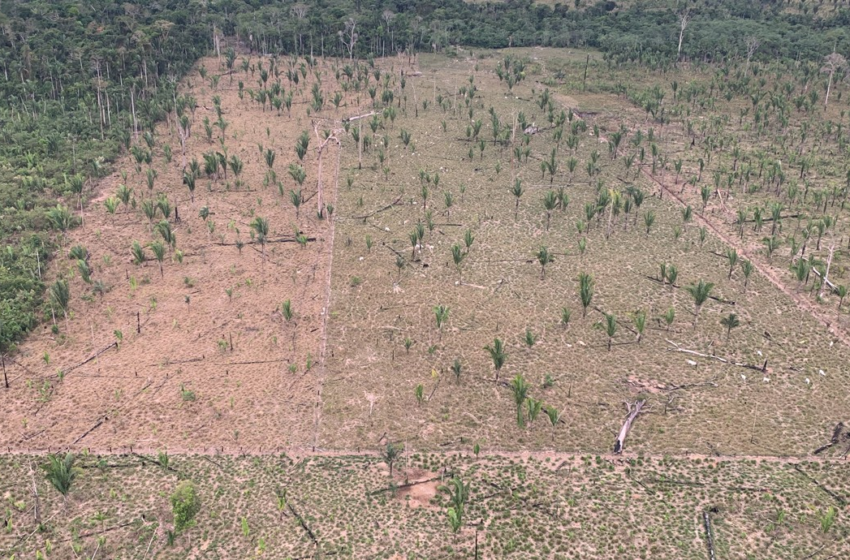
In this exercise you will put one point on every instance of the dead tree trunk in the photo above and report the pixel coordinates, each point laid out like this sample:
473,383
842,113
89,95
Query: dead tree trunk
320,151
634,409
709,538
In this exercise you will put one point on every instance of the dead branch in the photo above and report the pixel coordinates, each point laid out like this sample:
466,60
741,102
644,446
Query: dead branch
633,411
836,436
403,486
358,117
37,507
303,524
387,207
89,359
676,348
90,430
434,390
839,500
268,241
709,383
153,462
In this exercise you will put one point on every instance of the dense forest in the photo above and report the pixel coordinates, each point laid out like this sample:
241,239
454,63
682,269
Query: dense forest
81,79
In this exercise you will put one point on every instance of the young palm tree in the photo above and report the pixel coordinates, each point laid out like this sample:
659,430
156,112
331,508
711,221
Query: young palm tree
390,455
449,199
124,193
533,407
399,263
138,253
747,268
84,270
669,316
497,354
730,322
563,199
111,204
637,198
566,315
520,391
648,220
841,292
297,173
158,250
441,312
732,257
149,209
61,218
609,326
60,296
76,183
458,256
458,494
554,416
771,244
550,202
164,206
585,291
700,292
60,472
544,257
639,320
236,166
296,198
261,228
164,229
189,181
269,157
672,276
468,239
517,192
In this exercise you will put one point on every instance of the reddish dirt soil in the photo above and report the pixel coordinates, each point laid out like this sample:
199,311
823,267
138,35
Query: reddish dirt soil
233,352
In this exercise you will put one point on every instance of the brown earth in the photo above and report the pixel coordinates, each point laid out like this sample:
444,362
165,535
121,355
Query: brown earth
233,352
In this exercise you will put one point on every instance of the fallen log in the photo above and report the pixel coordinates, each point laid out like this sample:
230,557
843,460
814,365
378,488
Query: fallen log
836,435
267,242
676,348
358,117
633,410
402,486
387,207
97,425
87,360
708,536
838,499
303,524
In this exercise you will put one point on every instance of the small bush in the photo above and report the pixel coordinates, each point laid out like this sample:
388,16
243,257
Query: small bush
185,504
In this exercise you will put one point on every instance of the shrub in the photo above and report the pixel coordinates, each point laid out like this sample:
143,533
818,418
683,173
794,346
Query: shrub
185,504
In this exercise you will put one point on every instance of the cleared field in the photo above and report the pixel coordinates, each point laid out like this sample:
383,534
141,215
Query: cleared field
196,352
218,364
517,507
438,205
785,400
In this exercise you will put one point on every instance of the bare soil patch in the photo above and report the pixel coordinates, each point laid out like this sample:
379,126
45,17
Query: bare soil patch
214,363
